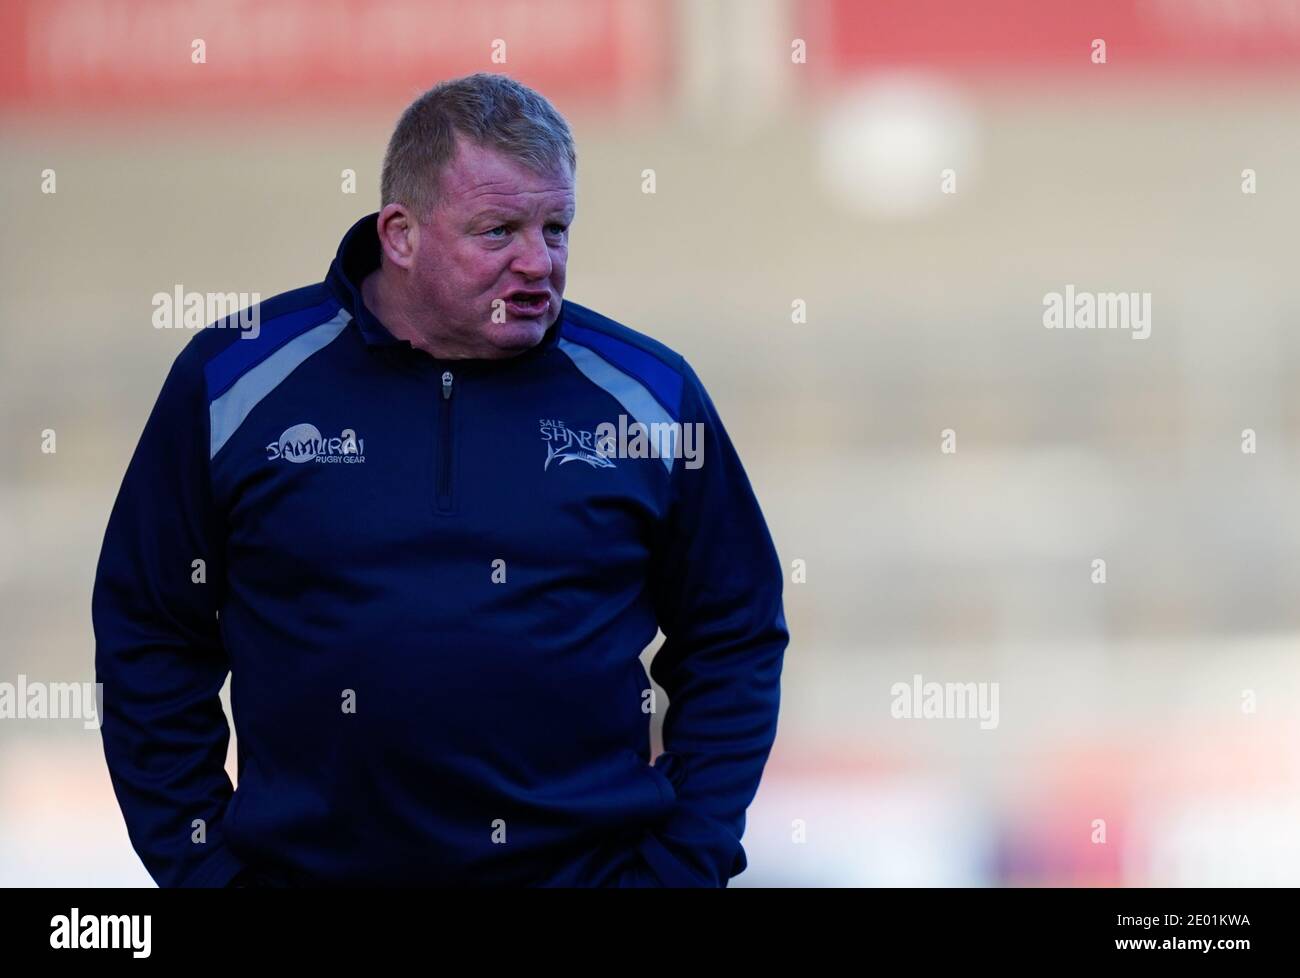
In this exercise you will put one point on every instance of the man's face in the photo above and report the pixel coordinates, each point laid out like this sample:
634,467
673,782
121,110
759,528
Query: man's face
498,228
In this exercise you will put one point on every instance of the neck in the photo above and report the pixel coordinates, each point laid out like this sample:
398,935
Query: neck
377,294
385,299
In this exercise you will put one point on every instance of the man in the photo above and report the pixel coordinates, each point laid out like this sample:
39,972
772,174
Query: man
400,516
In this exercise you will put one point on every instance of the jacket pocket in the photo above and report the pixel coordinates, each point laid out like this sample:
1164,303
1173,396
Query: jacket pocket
228,820
667,793
670,767
638,875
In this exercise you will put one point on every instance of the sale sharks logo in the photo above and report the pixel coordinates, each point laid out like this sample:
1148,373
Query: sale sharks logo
565,444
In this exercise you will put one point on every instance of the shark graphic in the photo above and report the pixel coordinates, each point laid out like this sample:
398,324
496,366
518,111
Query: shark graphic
573,452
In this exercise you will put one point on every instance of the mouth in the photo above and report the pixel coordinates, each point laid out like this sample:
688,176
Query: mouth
528,304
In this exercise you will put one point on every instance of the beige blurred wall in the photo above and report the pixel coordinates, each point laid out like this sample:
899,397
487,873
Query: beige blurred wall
1119,701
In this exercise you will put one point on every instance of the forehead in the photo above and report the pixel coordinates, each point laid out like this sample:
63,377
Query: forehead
479,177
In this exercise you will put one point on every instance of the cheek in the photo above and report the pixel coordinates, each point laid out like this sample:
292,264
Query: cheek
485,272
466,281
436,275
459,259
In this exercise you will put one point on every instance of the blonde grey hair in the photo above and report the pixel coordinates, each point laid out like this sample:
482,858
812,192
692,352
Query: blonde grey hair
494,111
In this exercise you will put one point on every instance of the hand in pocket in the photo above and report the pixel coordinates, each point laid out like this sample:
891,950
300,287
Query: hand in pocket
637,874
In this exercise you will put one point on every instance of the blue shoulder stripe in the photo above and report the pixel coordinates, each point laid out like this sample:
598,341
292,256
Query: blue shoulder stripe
229,410
661,380
243,354
631,393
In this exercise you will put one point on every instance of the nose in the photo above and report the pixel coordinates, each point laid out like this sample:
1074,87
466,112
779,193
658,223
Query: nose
533,260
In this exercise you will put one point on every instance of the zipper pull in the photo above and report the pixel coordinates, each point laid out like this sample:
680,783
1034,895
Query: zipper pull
446,385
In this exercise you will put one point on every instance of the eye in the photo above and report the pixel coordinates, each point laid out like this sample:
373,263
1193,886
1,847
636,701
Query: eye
560,228
499,227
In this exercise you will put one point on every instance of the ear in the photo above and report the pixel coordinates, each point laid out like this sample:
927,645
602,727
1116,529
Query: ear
399,234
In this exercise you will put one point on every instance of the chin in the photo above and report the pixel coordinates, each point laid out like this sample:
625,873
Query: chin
520,334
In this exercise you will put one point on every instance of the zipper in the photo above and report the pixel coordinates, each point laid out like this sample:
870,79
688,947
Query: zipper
444,444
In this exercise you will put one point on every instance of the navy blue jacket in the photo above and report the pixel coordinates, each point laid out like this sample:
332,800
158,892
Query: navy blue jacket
431,594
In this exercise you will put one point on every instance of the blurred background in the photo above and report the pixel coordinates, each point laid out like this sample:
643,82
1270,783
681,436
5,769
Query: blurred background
1147,727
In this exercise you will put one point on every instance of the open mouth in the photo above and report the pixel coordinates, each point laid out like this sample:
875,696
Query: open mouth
528,303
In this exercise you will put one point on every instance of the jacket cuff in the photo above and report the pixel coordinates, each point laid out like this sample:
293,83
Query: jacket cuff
690,850
217,871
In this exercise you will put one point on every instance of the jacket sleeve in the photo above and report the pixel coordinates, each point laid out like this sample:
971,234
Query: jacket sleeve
717,584
158,650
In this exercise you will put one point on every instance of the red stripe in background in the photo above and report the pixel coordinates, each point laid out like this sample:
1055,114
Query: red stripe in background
136,54
1018,36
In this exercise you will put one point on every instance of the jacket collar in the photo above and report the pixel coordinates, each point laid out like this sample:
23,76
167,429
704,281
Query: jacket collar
357,257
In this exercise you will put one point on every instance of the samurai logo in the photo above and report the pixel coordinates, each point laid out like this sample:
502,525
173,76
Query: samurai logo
304,443
565,444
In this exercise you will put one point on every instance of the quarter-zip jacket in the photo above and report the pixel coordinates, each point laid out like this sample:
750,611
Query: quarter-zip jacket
431,594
